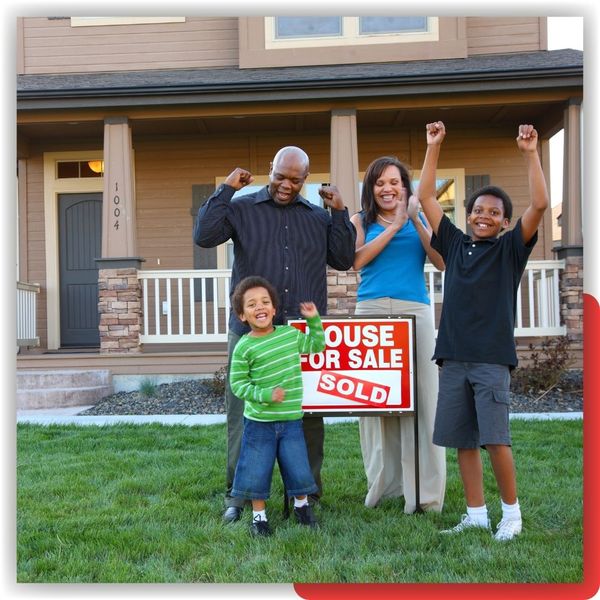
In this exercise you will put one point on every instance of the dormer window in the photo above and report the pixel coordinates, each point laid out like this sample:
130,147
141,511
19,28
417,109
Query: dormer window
288,32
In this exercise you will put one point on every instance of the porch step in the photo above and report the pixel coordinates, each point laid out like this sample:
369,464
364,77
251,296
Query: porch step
57,389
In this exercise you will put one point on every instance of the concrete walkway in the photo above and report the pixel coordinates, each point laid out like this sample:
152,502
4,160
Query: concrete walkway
69,416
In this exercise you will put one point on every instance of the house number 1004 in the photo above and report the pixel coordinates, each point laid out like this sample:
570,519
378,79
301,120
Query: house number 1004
116,211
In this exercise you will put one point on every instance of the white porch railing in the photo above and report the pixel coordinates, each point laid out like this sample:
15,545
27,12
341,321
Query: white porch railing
185,306
193,305
541,284
538,300
27,314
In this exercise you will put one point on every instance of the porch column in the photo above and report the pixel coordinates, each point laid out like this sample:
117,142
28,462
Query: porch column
571,221
571,249
341,285
118,211
344,157
120,297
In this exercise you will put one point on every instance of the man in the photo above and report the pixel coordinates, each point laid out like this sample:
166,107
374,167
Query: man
282,237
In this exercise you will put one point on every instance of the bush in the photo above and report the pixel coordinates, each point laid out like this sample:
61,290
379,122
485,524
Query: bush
148,388
218,382
547,365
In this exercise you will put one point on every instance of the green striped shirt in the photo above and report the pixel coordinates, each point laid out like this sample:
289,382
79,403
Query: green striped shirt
260,364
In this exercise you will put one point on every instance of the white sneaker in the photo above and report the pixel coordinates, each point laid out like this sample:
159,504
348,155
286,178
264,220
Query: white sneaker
507,529
466,522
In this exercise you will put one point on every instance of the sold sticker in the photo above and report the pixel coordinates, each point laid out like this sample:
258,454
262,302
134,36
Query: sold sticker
352,388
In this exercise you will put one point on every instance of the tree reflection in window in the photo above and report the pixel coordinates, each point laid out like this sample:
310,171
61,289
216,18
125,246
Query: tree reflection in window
300,27
369,25
446,195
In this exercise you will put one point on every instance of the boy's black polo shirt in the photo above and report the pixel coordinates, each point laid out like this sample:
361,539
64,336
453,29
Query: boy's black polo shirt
480,292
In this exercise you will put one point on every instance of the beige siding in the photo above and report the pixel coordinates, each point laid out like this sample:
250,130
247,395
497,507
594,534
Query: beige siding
165,173
372,145
53,46
36,262
166,170
492,35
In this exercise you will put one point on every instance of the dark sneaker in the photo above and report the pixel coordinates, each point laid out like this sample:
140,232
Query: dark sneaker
232,514
260,528
306,516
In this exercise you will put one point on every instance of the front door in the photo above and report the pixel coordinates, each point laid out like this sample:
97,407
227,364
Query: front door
80,243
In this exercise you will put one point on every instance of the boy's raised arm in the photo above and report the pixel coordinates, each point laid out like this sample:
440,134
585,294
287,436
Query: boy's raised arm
427,186
538,192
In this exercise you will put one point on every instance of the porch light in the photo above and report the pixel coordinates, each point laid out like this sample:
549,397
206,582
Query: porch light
96,165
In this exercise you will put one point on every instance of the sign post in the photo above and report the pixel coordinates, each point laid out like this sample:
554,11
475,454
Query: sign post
368,368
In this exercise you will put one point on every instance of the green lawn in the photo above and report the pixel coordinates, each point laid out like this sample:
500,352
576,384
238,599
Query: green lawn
131,503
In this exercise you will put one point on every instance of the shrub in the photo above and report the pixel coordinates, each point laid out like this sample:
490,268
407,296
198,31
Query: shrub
148,388
218,382
547,364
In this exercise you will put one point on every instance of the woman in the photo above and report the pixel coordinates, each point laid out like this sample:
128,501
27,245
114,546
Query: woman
391,244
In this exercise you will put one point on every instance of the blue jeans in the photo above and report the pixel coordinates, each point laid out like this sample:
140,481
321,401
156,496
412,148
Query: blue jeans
264,442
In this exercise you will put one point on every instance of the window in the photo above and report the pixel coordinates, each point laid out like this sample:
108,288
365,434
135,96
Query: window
310,190
77,169
294,32
301,27
266,42
450,192
392,24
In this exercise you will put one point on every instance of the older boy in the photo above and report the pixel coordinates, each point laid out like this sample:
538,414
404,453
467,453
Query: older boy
475,341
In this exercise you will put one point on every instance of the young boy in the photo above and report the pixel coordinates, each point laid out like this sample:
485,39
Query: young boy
475,343
265,373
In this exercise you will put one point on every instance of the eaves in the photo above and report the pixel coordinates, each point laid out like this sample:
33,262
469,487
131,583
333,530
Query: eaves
232,86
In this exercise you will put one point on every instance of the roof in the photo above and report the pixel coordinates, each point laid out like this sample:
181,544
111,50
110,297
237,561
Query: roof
555,67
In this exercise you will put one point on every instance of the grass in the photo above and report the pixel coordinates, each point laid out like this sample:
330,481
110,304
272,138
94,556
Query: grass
129,503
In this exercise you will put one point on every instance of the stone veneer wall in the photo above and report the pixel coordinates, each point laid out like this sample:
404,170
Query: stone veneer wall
571,303
120,308
341,290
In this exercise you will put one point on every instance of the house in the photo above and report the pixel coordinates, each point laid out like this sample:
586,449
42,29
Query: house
126,125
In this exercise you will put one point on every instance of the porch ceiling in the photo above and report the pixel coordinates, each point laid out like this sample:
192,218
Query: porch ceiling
546,115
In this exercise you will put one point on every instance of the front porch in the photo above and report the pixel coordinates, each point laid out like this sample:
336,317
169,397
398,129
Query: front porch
173,310
183,326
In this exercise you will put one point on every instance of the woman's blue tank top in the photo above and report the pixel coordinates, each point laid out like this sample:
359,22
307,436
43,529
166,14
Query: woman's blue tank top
397,272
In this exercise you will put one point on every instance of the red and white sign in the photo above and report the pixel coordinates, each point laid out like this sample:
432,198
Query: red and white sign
367,366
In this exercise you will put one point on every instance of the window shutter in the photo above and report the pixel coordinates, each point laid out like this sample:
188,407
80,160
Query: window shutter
472,183
204,258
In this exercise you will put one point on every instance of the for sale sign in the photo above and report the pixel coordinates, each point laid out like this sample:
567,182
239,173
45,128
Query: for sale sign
367,366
